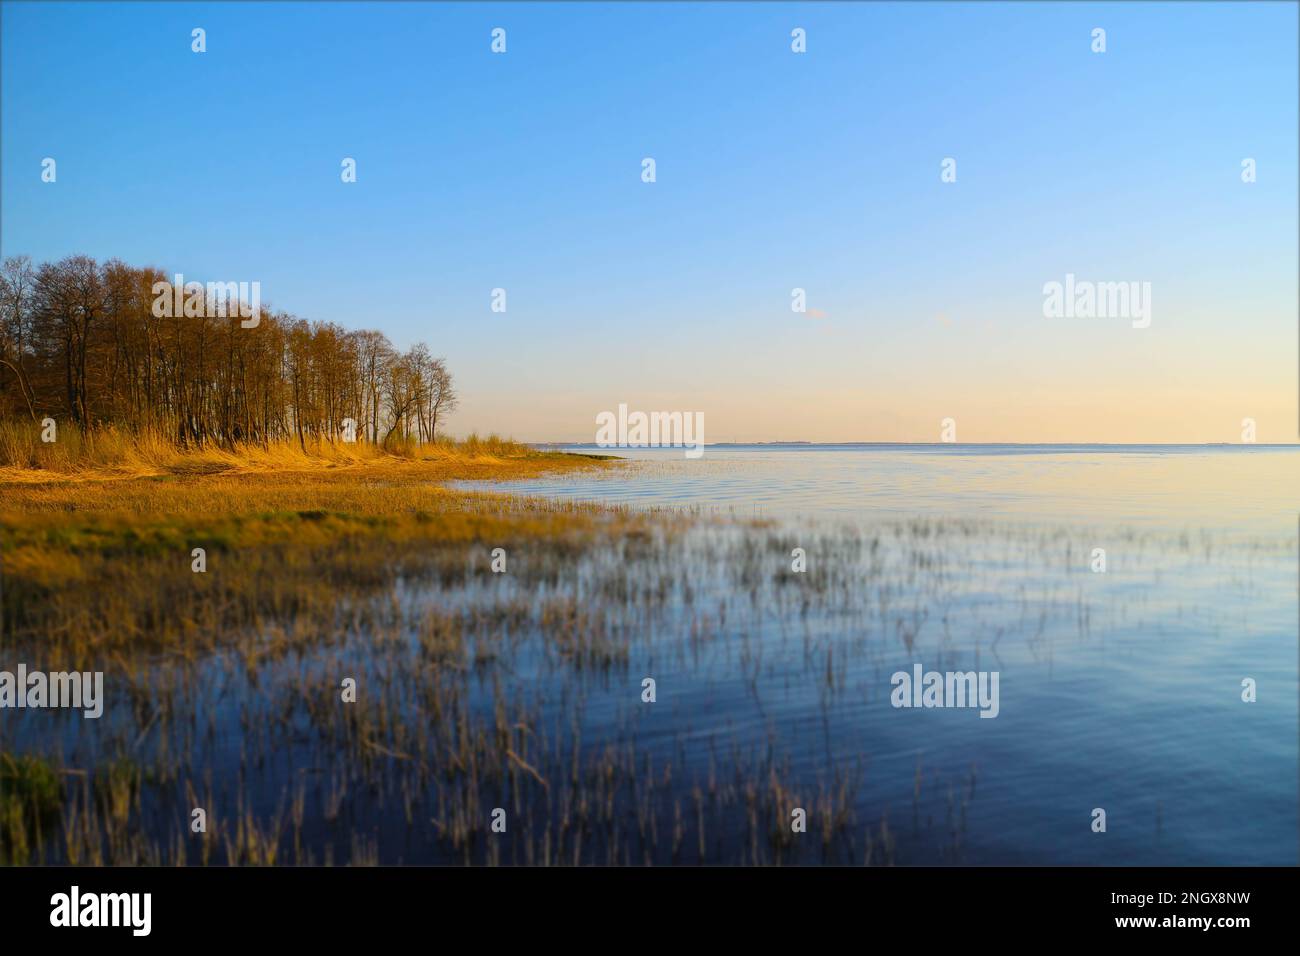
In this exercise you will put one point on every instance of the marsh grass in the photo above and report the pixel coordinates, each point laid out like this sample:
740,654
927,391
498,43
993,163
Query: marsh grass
31,796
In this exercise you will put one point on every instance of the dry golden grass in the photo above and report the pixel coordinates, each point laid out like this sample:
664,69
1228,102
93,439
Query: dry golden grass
110,453
98,555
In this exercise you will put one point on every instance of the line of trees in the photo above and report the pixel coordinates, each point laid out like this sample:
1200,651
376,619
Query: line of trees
82,339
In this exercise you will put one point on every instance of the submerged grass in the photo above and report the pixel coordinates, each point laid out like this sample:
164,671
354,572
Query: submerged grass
31,796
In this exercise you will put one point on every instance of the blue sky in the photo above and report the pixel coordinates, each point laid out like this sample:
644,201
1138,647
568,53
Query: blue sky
774,171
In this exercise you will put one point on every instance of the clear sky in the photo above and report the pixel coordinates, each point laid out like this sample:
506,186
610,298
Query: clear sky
775,170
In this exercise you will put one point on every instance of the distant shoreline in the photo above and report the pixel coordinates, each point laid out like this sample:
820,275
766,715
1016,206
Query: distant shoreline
879,444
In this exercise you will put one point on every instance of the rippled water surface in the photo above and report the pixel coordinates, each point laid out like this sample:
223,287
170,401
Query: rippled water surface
1119,690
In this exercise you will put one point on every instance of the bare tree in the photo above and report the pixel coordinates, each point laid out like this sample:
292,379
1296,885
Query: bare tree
442,396
17,281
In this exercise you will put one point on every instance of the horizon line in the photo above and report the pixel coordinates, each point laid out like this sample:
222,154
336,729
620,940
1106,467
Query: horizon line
939,444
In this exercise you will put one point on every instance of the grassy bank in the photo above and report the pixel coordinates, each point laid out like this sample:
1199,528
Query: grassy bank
98,549
112,453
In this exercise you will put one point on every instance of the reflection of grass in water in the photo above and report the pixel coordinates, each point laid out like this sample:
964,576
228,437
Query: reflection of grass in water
519,691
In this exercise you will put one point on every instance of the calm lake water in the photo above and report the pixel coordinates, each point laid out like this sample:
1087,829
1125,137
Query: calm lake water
1119,690
1175,486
